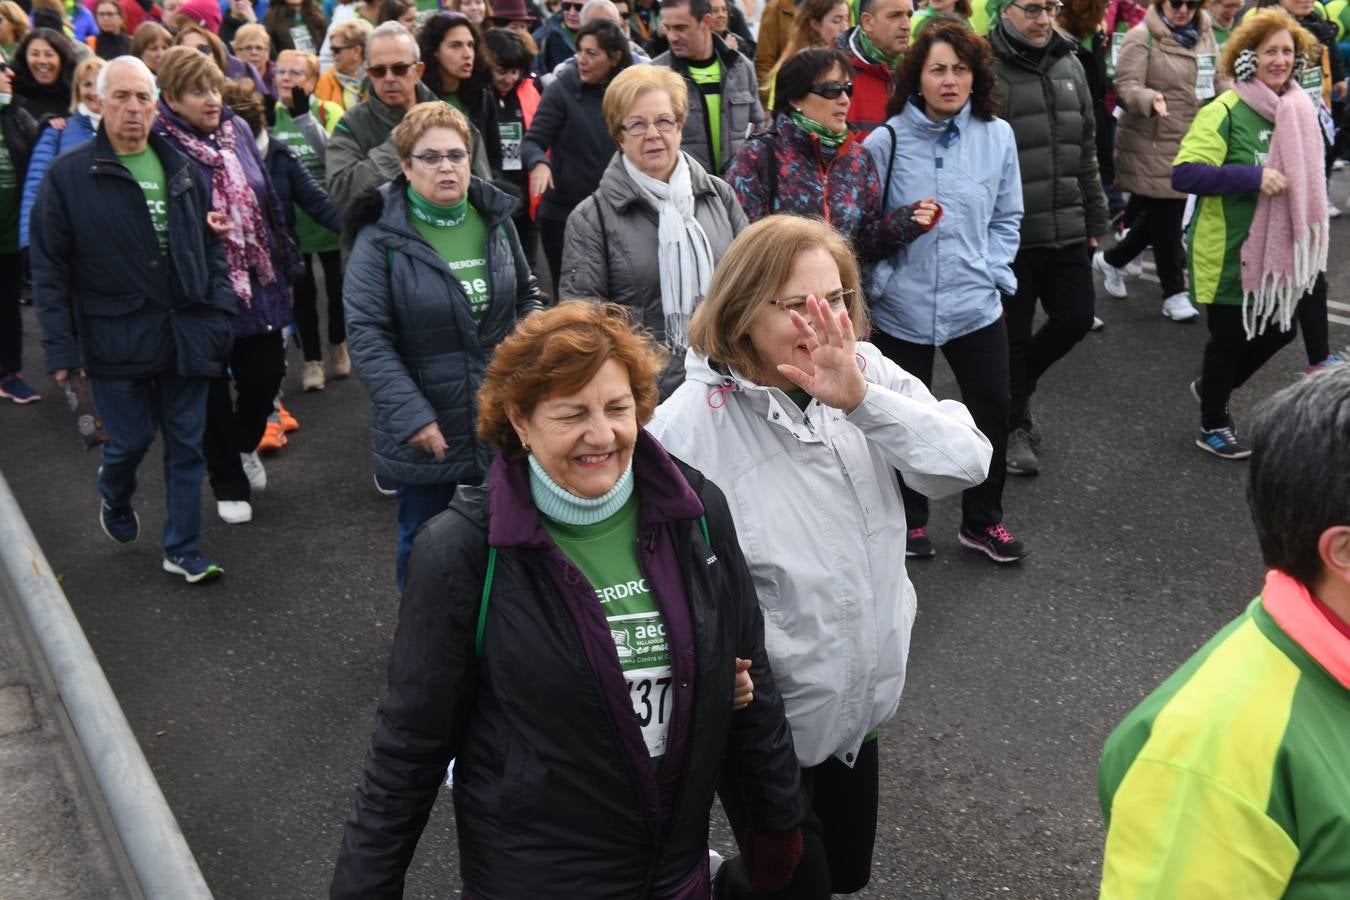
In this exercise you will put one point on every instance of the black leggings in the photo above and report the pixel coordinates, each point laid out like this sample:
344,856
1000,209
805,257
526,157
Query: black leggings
1061,279
1312,318
552,233
980,362
234,425
837,837
1230,359
307,305
1157,221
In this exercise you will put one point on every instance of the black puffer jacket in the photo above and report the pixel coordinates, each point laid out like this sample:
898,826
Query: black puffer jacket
548,800
412,336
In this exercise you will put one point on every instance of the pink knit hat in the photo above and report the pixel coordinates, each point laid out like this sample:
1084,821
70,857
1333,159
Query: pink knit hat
205,13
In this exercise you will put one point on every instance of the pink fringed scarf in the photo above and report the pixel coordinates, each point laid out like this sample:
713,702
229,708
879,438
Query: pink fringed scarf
1286,247
246,244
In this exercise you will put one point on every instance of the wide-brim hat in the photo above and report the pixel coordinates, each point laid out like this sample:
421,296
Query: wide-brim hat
511,11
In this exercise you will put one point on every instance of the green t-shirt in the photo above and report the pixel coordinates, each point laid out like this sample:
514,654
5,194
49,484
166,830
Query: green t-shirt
1226,131
453,100
301,39
458,234
314,238
606,553
10,192
709,80
148,171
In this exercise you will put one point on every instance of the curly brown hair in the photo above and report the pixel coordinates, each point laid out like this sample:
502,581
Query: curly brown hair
1256,29
970,48
1082,17
558,351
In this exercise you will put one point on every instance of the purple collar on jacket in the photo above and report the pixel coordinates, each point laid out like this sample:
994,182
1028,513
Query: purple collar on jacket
664,498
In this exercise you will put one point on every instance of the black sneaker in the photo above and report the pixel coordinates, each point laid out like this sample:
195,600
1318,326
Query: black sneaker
994,542
918,545
1223,443
1021,457
123,526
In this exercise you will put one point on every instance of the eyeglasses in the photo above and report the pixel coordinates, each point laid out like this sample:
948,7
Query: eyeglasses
1036,10
1188,4
573,7
432,160
831,90
797,302
399,70
639,128
336,49
204,49
292,73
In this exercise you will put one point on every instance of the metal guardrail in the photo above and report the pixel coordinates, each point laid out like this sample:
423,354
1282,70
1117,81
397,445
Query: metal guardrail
145,828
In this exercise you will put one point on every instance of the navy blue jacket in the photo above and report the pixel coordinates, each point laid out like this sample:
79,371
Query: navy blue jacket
295,186
98,271
412,336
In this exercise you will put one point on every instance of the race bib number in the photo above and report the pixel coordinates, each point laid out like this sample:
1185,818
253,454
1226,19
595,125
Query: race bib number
302,39
1117,40
640,640
1204,78
511,134
1311,82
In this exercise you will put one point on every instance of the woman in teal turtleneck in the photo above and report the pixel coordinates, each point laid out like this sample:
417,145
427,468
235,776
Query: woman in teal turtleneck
436,279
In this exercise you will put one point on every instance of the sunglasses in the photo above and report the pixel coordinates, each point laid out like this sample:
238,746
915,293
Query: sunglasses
1187,4
399,70
831,90
573,7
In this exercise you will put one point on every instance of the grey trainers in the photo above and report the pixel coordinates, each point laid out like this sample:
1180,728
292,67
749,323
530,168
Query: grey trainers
1021,457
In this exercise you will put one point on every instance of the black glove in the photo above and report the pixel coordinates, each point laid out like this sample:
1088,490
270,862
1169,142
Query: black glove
270,112
299,104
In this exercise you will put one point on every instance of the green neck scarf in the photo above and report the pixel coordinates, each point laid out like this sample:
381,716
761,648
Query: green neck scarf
434,214
872,54
827,136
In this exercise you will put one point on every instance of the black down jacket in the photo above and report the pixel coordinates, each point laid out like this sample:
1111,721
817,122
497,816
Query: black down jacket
412,336
547,800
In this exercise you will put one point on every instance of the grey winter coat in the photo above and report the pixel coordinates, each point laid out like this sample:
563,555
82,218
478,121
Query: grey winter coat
361,153
413,339
610,251
1047,102
741,112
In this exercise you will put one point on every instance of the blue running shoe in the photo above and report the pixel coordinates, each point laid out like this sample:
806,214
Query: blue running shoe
192,566
13,387
1223,443
123,526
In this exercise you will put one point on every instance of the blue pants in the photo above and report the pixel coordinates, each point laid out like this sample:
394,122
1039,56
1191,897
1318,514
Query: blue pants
133,409
416,504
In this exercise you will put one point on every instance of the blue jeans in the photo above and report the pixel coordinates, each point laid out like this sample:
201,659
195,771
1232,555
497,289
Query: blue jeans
416,504
133,409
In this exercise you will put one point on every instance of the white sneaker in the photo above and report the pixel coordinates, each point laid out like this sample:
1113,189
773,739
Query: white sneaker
1113,278
1178,308
253,468
1338,165
1097,324
1135,267
1333,210
234,512
312,378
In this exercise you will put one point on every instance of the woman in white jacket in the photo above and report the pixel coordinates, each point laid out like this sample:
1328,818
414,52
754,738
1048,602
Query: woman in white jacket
804,428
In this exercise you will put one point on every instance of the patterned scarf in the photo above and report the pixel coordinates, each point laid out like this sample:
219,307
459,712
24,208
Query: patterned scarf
1286,246
247,243
827,136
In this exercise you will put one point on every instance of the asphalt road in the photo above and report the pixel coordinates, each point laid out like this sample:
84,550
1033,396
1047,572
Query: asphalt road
254,697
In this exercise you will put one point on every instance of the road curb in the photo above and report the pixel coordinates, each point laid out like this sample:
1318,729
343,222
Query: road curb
147,843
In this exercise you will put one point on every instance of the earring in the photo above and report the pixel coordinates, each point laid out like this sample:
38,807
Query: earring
1244,66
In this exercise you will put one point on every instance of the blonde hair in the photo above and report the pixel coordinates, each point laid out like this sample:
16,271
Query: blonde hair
632,83
13,13
308,60
354,31
182,68
422,118
751,275
87,68
1257,27
252,29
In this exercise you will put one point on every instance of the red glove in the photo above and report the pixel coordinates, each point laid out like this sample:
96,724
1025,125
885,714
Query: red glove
773,859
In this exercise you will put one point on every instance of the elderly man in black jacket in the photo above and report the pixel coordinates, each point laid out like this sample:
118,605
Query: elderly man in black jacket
130,286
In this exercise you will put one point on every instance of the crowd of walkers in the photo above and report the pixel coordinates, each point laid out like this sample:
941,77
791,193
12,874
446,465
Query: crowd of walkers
646,298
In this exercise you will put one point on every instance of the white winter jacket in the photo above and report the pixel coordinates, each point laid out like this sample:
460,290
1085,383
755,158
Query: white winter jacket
820,521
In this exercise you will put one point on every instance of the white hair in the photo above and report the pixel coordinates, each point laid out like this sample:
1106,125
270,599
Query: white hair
594,7
123,62
393,29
